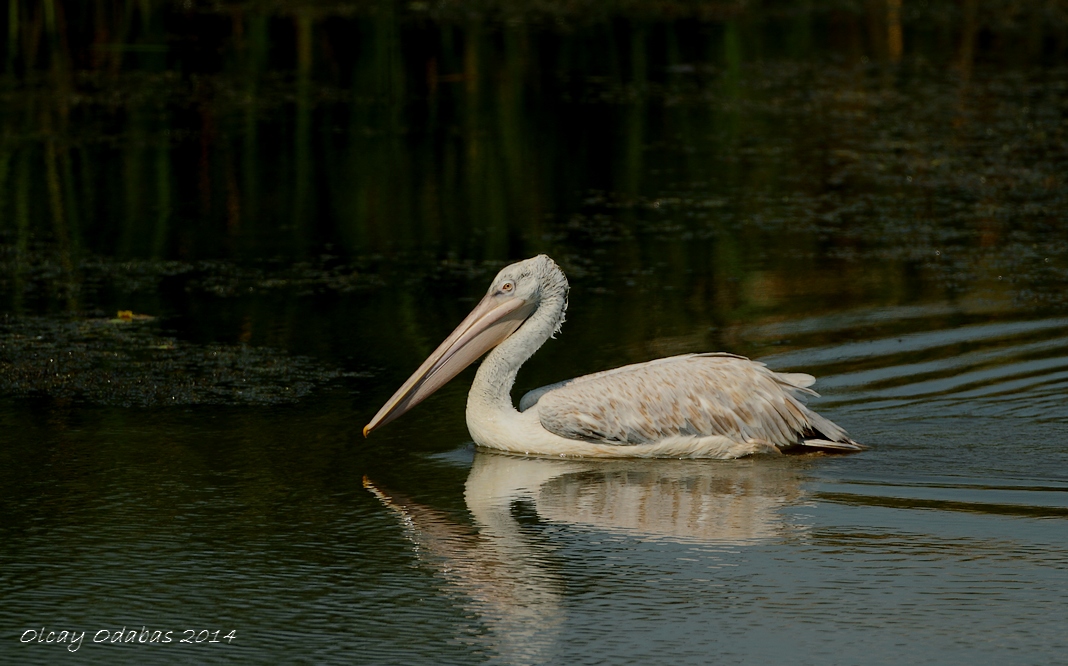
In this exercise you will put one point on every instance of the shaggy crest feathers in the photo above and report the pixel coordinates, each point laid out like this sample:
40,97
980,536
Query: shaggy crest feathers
554,285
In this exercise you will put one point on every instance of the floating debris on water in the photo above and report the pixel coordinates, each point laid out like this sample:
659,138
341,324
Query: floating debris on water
128,317
96,361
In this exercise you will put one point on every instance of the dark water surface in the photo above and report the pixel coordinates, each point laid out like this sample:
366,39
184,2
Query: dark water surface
297,201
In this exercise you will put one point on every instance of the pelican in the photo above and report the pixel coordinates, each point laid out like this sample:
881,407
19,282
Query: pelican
711,405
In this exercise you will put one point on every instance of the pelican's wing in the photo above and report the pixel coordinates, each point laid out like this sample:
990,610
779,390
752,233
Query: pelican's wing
696,395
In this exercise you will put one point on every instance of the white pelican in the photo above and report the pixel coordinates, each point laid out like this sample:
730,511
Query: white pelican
714,405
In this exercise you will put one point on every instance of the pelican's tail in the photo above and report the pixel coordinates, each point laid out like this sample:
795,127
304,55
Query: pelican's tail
825,434
825,444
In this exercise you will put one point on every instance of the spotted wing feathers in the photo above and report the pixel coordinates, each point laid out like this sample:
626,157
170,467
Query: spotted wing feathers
692,395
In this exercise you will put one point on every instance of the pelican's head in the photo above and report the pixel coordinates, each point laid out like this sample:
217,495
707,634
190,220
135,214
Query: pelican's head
534,281
513,296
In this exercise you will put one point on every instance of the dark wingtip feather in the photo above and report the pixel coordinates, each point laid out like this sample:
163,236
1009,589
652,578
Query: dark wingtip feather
847,445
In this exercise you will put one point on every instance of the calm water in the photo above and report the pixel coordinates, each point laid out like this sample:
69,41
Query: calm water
304,203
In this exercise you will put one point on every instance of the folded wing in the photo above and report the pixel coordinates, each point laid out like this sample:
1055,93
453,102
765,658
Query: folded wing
691,395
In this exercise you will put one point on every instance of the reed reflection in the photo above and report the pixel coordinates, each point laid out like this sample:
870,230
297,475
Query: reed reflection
505,570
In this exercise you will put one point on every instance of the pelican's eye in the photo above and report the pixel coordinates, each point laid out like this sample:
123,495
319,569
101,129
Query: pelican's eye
508,287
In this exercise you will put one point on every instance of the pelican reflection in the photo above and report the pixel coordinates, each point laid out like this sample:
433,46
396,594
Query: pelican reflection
504,568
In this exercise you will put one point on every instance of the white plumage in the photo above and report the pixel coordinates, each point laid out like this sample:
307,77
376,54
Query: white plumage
695,394
697,405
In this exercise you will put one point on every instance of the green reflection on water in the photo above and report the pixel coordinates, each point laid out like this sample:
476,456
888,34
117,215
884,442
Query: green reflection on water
388,133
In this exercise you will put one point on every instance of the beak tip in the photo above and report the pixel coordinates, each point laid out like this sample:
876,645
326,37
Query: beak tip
366,430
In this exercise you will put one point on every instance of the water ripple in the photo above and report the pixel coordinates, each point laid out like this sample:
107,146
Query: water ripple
1009,368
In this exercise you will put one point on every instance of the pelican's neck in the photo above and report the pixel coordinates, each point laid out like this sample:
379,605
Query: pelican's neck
492,387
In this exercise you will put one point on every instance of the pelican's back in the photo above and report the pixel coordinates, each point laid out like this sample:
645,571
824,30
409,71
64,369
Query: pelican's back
697,395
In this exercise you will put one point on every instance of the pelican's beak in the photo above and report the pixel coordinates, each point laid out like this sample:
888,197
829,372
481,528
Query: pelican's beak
495,318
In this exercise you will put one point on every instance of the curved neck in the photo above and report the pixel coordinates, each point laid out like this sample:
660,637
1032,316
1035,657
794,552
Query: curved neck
493,381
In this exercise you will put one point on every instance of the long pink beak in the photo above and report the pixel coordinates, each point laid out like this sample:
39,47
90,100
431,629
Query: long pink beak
494,318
